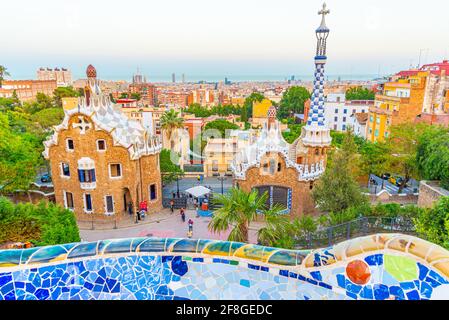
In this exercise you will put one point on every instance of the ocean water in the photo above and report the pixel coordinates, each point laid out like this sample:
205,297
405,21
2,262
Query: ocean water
245,78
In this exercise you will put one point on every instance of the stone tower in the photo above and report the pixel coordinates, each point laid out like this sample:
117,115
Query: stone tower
315,135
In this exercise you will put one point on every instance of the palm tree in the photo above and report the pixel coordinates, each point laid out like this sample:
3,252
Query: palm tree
3,74
170,121
277,227
239,209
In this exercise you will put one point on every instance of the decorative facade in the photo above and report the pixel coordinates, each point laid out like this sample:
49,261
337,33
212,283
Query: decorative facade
101,161
287,172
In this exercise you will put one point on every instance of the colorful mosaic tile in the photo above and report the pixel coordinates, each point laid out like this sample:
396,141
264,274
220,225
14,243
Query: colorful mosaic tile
172,269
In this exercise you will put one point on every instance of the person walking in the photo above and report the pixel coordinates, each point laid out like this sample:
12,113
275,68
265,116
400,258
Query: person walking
183,215
190,232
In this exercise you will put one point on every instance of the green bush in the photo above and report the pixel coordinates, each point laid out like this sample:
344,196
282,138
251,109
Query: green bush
41,224
433,224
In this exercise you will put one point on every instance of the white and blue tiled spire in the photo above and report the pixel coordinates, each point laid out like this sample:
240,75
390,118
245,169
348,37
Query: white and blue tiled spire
316,113
316,132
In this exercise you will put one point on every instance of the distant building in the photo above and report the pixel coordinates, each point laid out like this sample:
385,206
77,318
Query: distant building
338,110
260,111
358,122
27,90
172,99
62,76
436,100
173,78
147,92
203,96
401,101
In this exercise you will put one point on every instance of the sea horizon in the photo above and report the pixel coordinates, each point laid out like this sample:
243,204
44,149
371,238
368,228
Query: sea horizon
221,78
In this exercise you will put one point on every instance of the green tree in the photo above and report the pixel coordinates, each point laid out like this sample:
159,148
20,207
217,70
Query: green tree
374,157
402,152
276,226
433,224
42,224
170,121
221,125
169,170
8,104
293,102
293,133
3,73
360,93
433,155
47,118
64,92
20,157
137,96
239,209
249,101
337,189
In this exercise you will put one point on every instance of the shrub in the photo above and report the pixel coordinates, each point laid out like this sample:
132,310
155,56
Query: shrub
41,224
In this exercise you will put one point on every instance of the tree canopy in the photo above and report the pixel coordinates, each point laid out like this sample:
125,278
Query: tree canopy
293,101
360,93
42,224
433,155
169,170
171,121
64,92
338,190
221,125
249,101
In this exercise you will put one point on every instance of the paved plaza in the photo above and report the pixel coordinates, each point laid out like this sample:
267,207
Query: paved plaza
166,225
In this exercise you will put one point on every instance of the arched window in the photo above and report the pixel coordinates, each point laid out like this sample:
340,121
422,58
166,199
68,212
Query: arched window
272,166
317,152
279,167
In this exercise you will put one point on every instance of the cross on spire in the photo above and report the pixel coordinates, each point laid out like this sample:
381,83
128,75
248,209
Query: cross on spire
324,11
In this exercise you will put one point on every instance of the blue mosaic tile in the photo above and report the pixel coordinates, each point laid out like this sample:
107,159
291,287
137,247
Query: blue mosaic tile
316,275
413,295
381,292
375,260
245,283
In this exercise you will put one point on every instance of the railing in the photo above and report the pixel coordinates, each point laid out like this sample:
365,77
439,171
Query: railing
106,223
357,228
178,203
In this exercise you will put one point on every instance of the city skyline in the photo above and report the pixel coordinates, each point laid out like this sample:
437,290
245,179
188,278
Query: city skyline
250,40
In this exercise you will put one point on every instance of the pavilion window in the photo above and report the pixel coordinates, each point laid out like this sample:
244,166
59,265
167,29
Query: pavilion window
87,175
153,194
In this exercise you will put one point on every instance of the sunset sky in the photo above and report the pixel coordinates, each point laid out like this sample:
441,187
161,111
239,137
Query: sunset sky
223,38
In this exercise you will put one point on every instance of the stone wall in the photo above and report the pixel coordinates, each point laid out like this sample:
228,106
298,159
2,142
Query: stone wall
137,175
302,202
429,193
385,197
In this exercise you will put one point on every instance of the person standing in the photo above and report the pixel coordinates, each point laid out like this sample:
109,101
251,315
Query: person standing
172,205
190,225
130,208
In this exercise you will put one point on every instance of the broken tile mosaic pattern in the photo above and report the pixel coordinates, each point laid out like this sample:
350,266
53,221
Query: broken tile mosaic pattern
375,268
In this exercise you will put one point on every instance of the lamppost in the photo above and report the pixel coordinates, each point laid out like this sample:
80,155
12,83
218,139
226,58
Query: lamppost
221,179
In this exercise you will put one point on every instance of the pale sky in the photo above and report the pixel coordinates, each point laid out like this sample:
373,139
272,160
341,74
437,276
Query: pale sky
219,37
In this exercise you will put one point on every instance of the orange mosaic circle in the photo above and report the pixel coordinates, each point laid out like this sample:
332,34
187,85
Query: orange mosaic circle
358,272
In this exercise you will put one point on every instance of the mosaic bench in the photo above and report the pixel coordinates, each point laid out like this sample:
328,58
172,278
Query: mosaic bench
379,267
